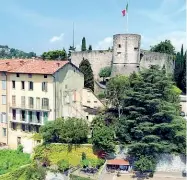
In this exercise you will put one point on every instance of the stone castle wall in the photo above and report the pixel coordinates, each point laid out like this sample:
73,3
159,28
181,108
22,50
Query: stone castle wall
97,59
154,58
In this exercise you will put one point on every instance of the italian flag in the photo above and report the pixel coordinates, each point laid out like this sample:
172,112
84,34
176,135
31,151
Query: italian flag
125,11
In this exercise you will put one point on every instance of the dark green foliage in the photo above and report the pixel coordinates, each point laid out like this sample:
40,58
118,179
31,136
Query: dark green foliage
180,70
145,164
90,48
83,155
164,47
105,72
12,159
72,130
20,148
6,52
86,69
103,136
35,173
83,47
147,107
63,165
71,49
55,55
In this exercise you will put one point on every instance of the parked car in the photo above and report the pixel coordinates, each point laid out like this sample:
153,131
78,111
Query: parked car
184,172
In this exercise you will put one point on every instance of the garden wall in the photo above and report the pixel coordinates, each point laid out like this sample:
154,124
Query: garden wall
166,162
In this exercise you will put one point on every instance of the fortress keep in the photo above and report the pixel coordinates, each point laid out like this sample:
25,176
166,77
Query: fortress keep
125,58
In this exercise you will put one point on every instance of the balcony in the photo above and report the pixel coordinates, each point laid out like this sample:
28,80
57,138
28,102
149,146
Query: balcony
26,121
29,107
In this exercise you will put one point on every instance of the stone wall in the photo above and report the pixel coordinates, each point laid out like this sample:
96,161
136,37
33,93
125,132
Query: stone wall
98,59
154,58
171,163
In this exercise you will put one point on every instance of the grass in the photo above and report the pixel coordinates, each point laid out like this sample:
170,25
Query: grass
11,160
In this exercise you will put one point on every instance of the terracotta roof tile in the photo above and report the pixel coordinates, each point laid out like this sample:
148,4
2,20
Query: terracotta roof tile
31,66
117,162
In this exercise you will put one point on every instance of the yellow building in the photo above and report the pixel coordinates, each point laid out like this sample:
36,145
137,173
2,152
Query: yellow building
36,91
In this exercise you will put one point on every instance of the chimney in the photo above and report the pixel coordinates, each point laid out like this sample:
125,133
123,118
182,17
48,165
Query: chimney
58,64
8,63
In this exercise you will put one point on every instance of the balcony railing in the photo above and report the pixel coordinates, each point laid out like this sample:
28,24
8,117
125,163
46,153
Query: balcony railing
26,121
29,107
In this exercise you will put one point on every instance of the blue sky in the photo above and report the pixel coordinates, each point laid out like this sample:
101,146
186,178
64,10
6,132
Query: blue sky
42,25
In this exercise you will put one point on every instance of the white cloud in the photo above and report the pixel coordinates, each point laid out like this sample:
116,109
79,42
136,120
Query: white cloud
104,44
56,38
177,38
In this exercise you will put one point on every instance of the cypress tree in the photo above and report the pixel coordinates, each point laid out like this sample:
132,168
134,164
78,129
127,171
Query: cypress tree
90,48
86,69
83,47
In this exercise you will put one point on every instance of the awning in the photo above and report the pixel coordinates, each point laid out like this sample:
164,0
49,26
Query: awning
119,162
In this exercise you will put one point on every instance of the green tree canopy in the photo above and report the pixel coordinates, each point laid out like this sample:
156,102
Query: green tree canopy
90,48
55,55
147,105
86,69
144,164
180,70
164,47
105,72
83,46
71,130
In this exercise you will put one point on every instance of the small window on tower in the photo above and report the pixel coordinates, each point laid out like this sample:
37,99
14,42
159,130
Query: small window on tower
136,48
119,45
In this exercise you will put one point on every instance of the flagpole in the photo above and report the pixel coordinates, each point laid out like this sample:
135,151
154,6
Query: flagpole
127,16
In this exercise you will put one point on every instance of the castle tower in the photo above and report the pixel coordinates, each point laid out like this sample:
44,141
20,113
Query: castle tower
126,53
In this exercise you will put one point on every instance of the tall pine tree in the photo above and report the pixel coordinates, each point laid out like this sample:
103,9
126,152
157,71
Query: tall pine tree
86,69
150,120
83,47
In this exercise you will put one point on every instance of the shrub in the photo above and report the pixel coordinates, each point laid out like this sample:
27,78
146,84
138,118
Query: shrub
20,148
63,165
35,173
101,95
83,156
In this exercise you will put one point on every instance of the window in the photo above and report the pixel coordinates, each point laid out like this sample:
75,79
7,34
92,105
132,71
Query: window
23,115
88,101
13,100
4,99
3,118
30,85
95,101
13,114
45,76
44,86
22,101
87,117
4,132
23,127
17,75
45,117
66,86
30,116
136,48
31,102
119,45
13,84
22,84
38,117
30,75
3,74
14,126
3,85
45,103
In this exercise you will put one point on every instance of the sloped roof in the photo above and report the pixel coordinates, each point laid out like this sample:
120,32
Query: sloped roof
31,66
118,162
